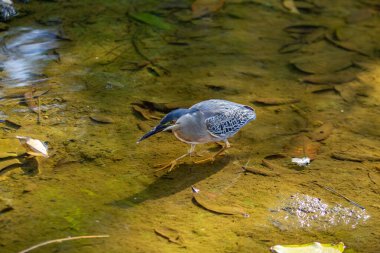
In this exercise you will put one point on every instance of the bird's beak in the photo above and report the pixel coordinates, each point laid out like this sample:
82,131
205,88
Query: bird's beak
157,129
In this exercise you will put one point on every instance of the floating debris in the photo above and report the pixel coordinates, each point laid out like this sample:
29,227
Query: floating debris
35,147
302,162
314,247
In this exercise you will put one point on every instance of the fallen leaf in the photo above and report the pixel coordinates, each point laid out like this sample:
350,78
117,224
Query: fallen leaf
33,146
314,247
210,202
151,20
302,146
98,118
276,101
323,62
289,4
145,113
303,28
322,132
355,157
202,8
170,234
259,171
344,76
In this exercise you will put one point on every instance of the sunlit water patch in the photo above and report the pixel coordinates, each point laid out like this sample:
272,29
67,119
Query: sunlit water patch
23,54
304,211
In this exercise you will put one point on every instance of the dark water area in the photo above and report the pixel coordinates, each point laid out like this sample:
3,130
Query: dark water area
82,81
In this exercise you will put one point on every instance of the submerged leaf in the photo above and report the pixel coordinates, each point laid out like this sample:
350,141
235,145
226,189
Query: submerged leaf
302,146
211,203
276,101
170,234
315,247
202,8
344,76
302,28
98,118
151,20
323,62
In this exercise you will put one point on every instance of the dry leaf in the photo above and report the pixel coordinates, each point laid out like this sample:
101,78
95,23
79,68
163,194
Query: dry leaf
322,63
210,202
333,78
98,118
170,234
33,146
302,146
202,8
276,101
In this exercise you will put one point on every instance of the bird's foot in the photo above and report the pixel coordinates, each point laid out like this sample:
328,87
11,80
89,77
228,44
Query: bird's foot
170,165
198,154
211,158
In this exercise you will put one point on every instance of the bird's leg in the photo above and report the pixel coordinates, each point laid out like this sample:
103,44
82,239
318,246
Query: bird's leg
212,158
173,163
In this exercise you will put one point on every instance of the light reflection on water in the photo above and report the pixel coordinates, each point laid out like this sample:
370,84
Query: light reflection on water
304,211
23,54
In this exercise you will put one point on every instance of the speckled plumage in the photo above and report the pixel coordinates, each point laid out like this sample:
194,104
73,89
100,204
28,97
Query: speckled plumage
224,118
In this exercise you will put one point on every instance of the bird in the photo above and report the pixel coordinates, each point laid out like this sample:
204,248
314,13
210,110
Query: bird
213,120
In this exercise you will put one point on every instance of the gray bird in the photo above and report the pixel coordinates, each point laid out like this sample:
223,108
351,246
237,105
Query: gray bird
207,121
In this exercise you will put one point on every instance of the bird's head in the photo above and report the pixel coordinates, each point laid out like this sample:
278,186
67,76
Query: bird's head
166,122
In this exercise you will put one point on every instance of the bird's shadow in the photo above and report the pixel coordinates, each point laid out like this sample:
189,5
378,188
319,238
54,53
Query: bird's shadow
182,177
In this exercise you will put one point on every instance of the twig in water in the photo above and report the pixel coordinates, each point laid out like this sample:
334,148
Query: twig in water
62,240
340,195
39,110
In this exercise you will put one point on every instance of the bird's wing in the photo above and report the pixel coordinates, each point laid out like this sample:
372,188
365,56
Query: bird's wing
226,123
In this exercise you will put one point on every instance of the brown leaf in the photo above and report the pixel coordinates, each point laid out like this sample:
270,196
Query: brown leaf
302,146
98,118
344,76
209,202
302,28
322,132
170,234
322,63
202,8
276,101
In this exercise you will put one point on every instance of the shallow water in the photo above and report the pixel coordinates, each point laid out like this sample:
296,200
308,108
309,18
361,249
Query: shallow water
103,62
